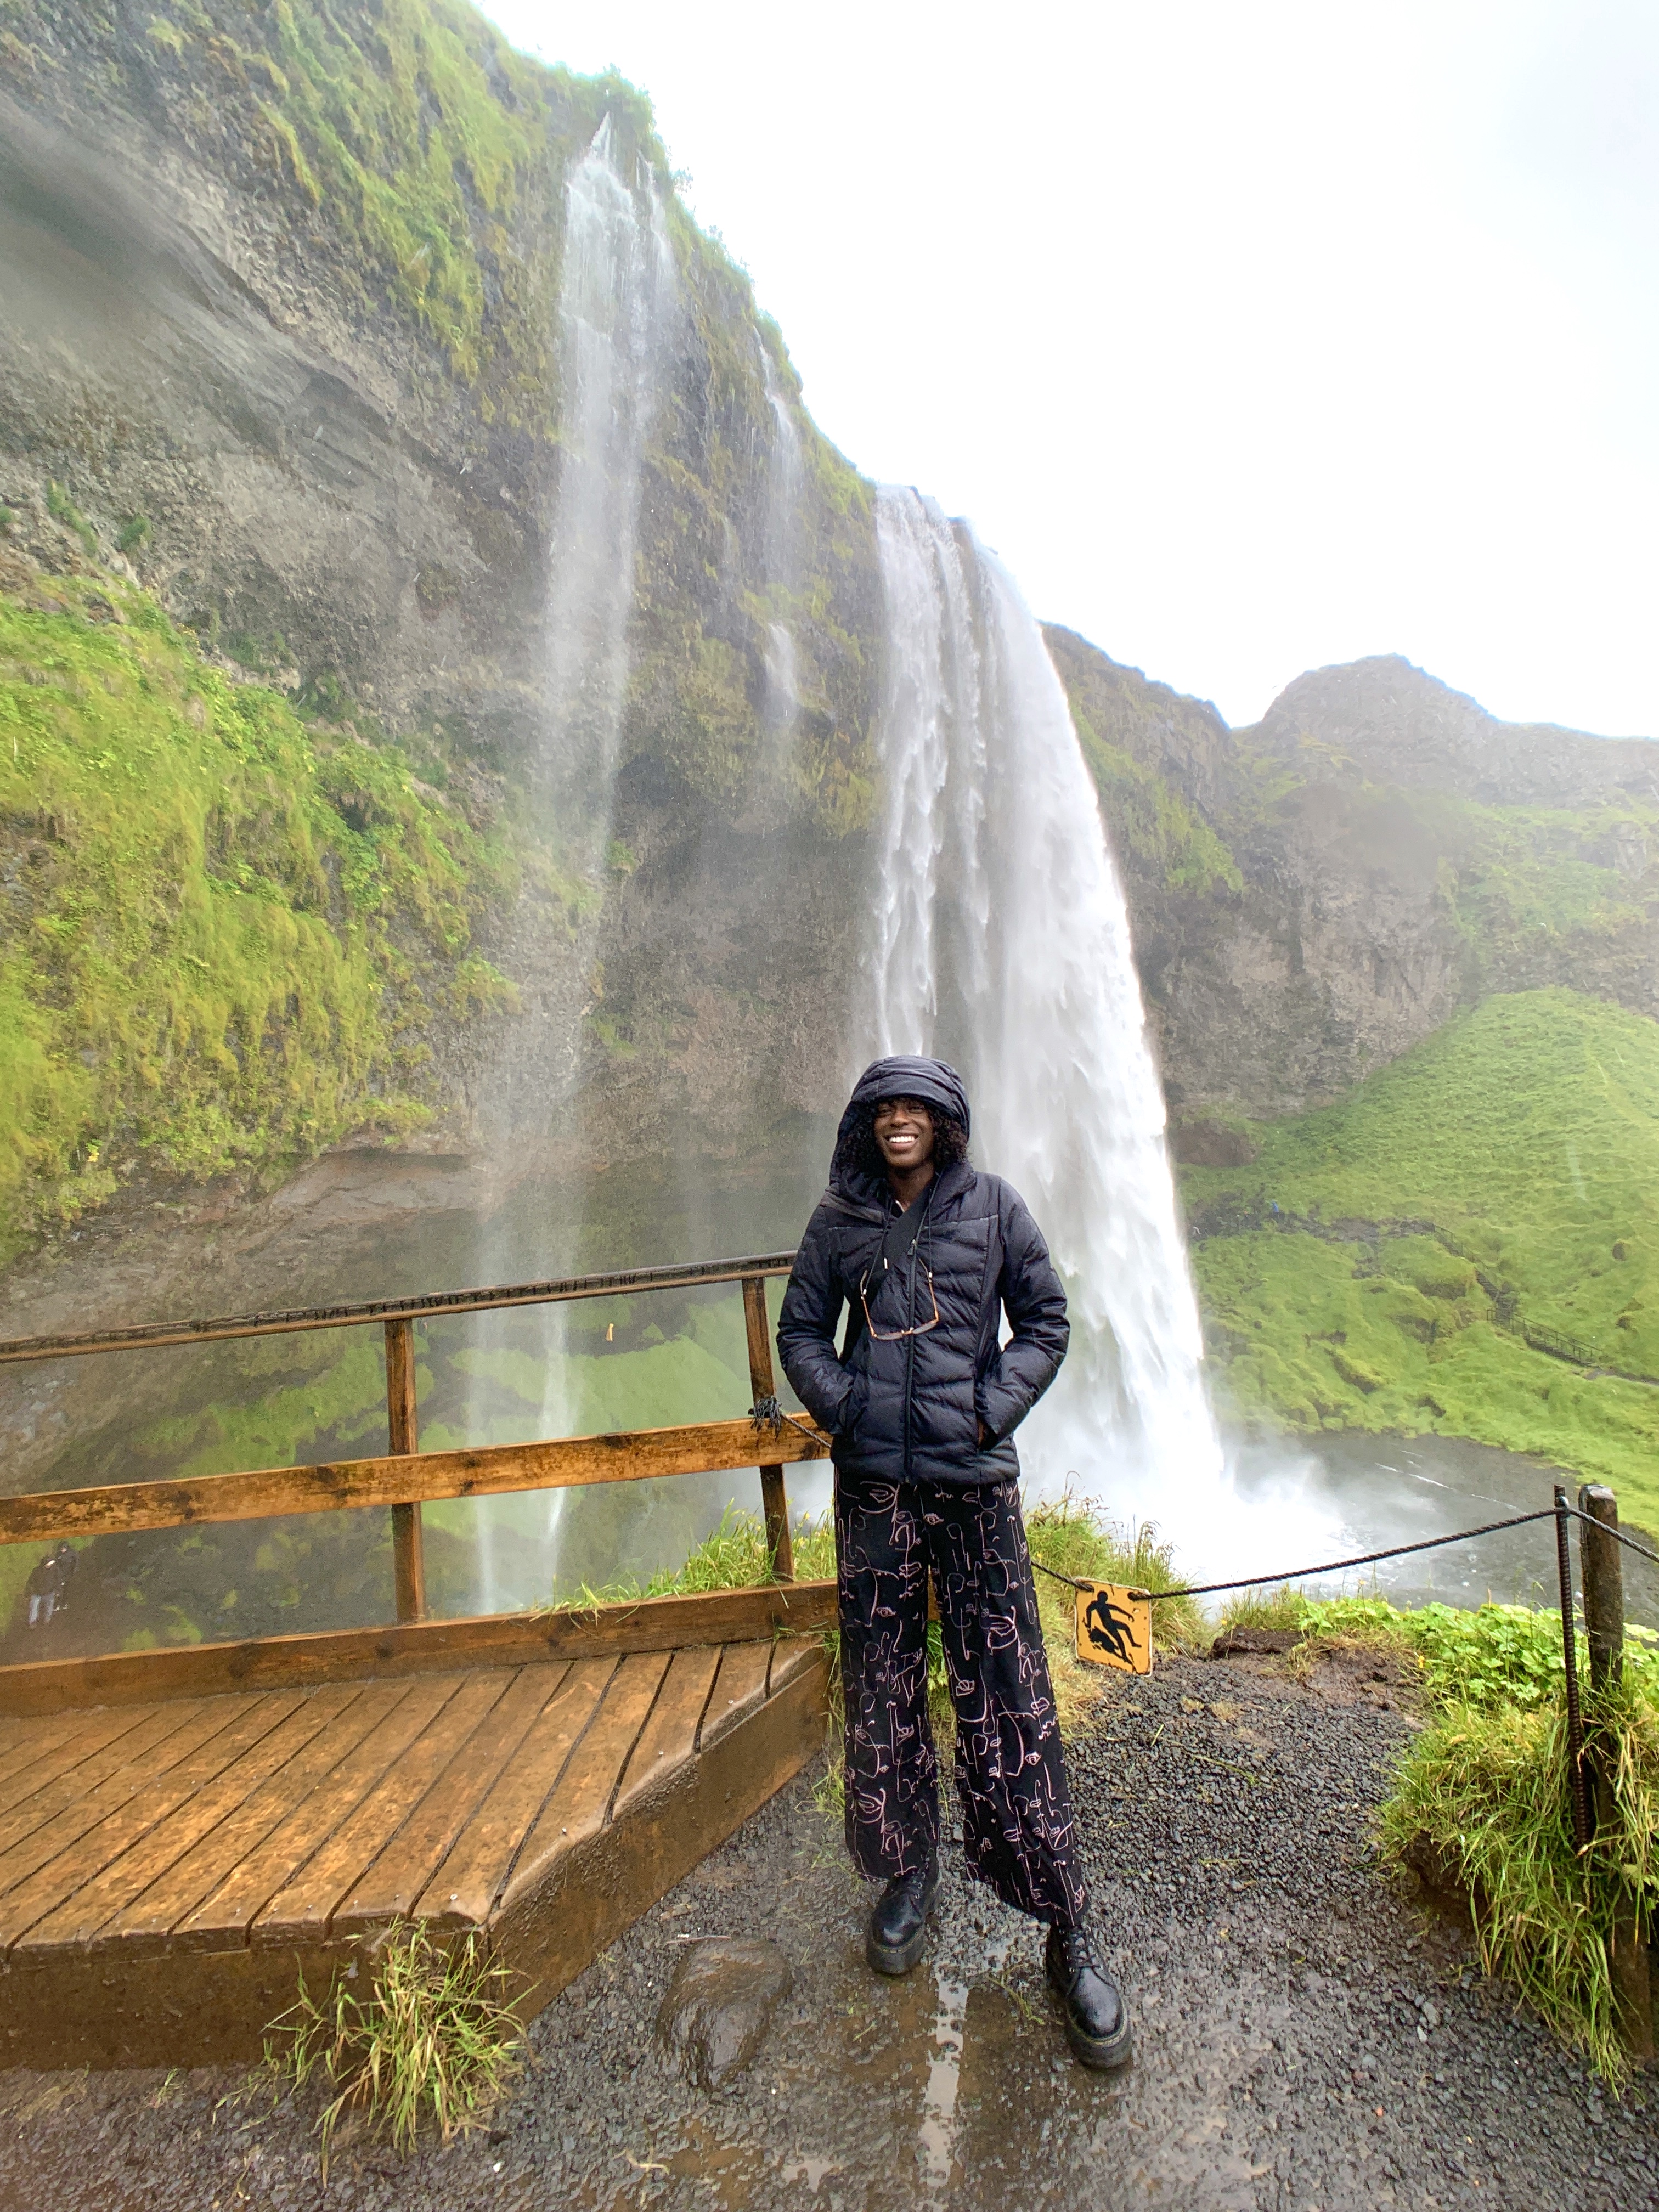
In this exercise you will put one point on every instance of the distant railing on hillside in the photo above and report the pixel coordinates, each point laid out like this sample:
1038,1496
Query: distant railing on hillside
1560,1346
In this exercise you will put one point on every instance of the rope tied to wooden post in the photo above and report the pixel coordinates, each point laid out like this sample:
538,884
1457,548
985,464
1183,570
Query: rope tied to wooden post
769,1417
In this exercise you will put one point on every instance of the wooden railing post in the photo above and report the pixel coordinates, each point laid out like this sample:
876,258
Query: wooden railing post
1603,1576
774,1500
407,1559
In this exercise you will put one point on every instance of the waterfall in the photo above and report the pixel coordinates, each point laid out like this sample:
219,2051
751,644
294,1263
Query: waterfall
783,490
615,286
1000,940
616,295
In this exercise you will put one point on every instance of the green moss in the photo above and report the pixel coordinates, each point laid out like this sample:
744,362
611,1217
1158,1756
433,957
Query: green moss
63,508
226,934
415,134
1526,1134
1149,817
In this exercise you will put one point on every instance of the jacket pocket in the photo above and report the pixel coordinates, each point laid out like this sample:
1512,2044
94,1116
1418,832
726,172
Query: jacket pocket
854,1403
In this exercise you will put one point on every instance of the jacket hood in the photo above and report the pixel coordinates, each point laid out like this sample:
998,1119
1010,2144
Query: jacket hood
905,1076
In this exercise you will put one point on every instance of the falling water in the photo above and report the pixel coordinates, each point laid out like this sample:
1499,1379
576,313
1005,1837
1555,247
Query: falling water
616,288
616,295
783,490
999,940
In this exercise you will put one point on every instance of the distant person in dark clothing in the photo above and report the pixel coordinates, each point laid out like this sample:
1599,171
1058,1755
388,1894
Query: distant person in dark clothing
65,1559
47,1588
42,1589
926,1255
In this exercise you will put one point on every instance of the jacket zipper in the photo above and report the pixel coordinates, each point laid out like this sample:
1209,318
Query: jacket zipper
910,1346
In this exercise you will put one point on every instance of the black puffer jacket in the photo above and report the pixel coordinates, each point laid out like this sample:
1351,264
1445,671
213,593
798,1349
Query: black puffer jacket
908,1408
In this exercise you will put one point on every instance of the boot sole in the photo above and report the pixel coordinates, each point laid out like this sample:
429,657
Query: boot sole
1104,2054
896,1959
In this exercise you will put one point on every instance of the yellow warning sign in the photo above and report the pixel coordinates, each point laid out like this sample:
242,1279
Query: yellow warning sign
1115,1626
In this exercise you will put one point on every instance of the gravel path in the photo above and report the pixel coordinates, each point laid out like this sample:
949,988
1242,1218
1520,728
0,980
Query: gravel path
1308,2037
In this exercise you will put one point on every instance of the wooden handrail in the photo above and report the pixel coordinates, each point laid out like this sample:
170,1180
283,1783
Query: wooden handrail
706,1448
405,1476
436,1307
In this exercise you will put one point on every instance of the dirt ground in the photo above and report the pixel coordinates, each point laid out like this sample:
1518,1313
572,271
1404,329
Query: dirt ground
1309,2035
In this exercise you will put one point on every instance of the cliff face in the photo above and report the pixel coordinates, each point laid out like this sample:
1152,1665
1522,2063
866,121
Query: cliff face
1313,896
281,354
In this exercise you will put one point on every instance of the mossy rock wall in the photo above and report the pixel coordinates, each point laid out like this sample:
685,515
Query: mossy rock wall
280,382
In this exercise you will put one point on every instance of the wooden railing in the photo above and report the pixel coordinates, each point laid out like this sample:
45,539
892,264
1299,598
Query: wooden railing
406,1478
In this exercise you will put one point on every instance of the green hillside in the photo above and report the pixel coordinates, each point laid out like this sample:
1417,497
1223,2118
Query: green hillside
228,932
1376,1264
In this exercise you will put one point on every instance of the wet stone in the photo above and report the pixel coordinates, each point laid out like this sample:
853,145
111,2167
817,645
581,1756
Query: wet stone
720,2003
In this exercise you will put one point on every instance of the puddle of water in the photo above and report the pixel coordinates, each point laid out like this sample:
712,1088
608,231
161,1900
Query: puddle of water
938,2131
811,2171
728,2172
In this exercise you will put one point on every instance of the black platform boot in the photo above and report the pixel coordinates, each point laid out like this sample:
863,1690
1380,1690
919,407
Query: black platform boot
1096,2023
893,1942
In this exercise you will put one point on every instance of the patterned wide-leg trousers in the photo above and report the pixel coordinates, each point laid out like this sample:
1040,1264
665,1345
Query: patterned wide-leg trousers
1017,1828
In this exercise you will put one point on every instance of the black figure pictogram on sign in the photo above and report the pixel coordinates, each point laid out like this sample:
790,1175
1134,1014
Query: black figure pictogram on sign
1115,1626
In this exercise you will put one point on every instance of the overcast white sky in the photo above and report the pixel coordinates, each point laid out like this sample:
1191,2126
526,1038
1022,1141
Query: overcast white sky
1254,336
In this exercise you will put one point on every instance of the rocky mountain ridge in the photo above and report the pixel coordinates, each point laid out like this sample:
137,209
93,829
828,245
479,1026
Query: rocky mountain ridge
1313,895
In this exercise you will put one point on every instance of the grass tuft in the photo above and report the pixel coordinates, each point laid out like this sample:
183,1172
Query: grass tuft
733,1555
1486,1791
1283,1607
431,2043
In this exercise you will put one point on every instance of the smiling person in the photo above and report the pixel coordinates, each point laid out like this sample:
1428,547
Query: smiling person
926,1254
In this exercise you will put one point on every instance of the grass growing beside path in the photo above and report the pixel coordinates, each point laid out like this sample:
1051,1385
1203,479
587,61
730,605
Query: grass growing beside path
1481,1795
430,2042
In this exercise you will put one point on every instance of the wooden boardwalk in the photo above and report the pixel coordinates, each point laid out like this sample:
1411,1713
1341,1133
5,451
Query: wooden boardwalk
168,1868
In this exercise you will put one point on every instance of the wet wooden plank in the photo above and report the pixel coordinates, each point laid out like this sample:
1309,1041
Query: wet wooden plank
196,2001
389,1887
739,1689
479,1471
670,1736
228,1915
329,1876
517,1639
28,1902
165,1819
344,1713
581,1802
792,1656
463,1891
550,1929
297,1718
114,1740
170,1733
33,1750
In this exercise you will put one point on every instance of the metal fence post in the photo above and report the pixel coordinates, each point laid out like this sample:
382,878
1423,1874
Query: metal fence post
1602,1574
408,1557
775,1499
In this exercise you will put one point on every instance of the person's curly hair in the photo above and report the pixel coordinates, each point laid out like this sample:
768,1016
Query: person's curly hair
858,1152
